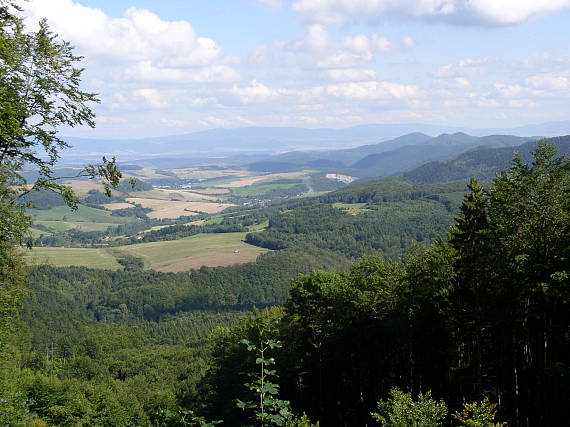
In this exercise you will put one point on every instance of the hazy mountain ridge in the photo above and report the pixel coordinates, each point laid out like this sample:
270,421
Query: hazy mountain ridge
389,157
272,140
481,162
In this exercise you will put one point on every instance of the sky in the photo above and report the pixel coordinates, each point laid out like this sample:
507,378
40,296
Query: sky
177,66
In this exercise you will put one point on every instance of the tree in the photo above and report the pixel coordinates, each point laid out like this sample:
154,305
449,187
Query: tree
40,91
402,411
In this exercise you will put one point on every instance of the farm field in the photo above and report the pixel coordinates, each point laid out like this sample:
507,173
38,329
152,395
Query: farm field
65,257
210,250
175,195
245,182
175,209
84,214
260,189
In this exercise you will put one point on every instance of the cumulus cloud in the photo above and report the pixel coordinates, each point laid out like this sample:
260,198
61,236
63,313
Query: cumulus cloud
549,82
319,49
465,67
138,35
457,12
349,74
146,71
258,93
152,97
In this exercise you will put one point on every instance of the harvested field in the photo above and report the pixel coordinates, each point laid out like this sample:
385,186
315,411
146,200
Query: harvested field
217,249
173,195
84,186
117,206
244,182
144,173
174,209
196,251
197,173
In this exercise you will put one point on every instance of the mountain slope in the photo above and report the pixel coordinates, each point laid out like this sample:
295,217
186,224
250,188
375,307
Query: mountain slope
481,162
442,147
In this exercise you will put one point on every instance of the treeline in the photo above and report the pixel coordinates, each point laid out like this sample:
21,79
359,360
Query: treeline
134,295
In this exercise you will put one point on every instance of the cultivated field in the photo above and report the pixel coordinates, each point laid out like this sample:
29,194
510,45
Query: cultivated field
174,209
82,187
197,173
174,195
219,249
65,257
244,182
211,250
83,215
117,206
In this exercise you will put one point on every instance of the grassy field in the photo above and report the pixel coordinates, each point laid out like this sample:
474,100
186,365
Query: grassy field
173,256
173,209
83,214
65,257
58,226
193,252
260,189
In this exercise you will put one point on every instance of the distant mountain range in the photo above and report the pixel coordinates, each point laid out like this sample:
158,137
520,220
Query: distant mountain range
386,158
263,141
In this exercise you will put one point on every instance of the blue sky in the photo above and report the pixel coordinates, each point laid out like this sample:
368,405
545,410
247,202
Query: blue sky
177,66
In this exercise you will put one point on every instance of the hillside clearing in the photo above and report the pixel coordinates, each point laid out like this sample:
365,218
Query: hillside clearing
212,250
175,209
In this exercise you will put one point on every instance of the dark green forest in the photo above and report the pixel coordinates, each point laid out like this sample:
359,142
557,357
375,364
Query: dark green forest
481,313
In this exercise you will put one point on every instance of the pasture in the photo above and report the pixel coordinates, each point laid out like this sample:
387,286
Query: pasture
212,250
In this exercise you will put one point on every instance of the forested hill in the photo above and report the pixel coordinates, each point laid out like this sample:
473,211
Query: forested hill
481,162
385,216
441,147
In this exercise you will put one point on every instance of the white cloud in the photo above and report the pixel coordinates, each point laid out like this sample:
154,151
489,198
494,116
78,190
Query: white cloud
255,93
318,49
458,12
549,82
152,97
174,123
521,103
146,71
408,41
213,121
138,35
349,74
372,90
465,67
516,91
